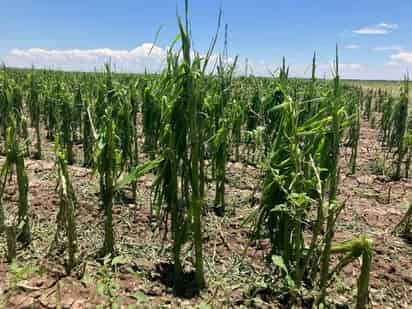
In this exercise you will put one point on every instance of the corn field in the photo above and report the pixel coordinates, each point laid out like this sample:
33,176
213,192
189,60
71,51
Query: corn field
202,187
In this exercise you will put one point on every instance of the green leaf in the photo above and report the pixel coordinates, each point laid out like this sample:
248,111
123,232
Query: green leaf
140,297
86,280
119,260
278,261
100,288
138,172
14,267
321,306
204,306
115,306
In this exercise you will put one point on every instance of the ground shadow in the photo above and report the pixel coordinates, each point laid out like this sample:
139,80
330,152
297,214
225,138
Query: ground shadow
184,287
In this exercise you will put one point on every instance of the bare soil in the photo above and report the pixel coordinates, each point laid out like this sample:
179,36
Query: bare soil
374,205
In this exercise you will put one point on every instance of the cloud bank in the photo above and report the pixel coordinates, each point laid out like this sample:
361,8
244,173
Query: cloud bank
150,58
352,46
144,57
402,57
382,28
388,48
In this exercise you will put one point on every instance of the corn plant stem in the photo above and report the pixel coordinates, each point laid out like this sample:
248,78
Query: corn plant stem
23,187
333,182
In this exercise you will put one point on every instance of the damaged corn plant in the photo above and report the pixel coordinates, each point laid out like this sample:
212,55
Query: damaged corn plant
299,198
65,220
178,195
208,135
18,228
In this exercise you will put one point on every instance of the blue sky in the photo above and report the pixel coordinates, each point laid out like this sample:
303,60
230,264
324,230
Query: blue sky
374,36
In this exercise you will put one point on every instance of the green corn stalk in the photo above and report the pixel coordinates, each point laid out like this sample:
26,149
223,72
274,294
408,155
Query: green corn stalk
189,99
11,243
354,129
15,156
77,114
34,107
68,203
23,186
408,146
309,99
100,107
25,135
151,120
223,114
3,102
17,105
50,114
87,134
179,176
271,114
6,106
66,124
288,187
387,109
2,218
252,118
399,126
283,73
378,101
237,121
107,159
404,227
373,121
293,186
3,181
353,249
108,162
220,146
368,107
174,145
333,153
135,152
354,152
125,127
15,110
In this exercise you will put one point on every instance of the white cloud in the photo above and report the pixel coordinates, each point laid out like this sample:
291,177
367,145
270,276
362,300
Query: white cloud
388,48
388,26
371,30
402,57
144,57
382,28
388,71
352,66
139,59
351,46
323,70
392,63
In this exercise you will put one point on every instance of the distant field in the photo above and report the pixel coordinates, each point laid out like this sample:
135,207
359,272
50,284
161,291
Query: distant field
392,86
